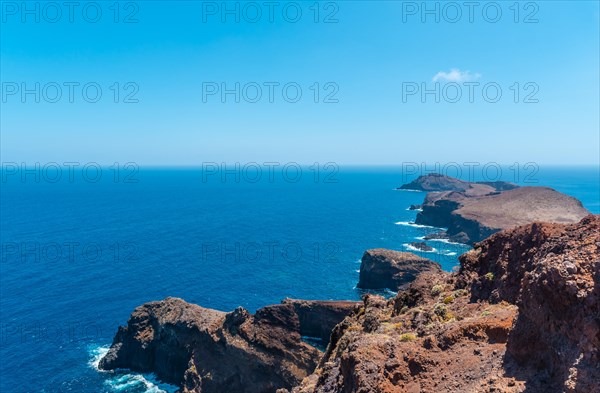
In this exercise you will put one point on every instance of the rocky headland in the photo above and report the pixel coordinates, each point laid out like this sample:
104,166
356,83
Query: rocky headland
387,269
205,350
522,314
472,212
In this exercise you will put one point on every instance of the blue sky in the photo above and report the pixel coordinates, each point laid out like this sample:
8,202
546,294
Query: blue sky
368,55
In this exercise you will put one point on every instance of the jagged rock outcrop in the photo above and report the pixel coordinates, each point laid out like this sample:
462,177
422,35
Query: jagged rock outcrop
553,274
521,315
436,235
204,350
381,268
474,211
159,337
418,342
207,351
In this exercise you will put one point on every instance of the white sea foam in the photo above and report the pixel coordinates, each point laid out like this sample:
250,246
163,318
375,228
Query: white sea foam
414,210
408,190
383,292
413,248
412,224
390,292
127,382
420,237
97,354
130,381
445,241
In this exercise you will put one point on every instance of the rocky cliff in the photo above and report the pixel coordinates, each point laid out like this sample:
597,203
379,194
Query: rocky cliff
472,212
552,272
521,315
204,350
381,268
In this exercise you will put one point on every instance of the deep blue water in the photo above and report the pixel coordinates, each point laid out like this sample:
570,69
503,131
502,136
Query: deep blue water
78,257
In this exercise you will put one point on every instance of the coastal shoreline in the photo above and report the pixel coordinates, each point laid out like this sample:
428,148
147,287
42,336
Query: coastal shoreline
203,350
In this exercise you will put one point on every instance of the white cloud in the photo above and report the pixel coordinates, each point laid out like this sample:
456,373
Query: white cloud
456,75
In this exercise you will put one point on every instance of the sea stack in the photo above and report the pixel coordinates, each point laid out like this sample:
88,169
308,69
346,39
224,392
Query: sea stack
387,269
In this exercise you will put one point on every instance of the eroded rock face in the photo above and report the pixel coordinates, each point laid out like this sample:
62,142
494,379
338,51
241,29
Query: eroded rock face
208,351
381,268
521,315
482,209
418,342
552,272
160,336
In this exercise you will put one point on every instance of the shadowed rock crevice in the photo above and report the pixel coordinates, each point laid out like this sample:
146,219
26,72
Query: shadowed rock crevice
318,318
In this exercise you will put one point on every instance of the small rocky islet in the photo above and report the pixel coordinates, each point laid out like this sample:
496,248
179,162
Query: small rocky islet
422,246
521,314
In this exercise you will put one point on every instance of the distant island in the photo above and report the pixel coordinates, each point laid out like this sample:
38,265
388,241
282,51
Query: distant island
439,182
472,211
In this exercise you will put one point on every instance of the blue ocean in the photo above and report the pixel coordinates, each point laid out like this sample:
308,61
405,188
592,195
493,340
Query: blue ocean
79,256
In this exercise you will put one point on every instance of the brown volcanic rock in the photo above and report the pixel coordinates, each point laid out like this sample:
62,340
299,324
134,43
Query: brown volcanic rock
552,272
521,206
418,342
159,337
522,315
495,268
476,213
208,351
381,268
